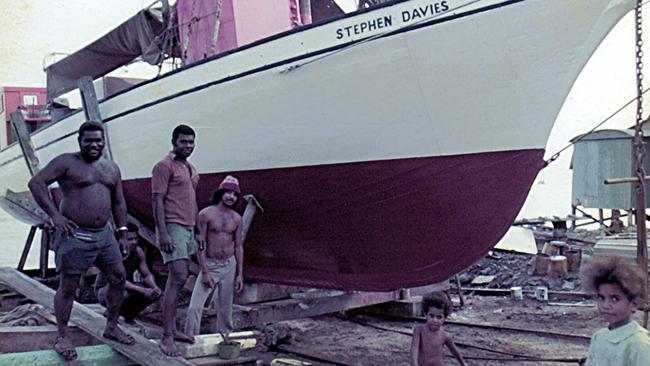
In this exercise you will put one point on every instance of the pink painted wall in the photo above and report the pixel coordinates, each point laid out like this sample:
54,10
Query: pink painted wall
257,19
12,98
241,22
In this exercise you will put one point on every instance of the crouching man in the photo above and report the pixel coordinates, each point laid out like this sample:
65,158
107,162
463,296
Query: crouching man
137,295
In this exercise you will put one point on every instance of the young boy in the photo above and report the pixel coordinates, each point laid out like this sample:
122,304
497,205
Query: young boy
620,291
428,339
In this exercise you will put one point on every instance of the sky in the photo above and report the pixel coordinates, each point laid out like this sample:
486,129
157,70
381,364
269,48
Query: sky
35,29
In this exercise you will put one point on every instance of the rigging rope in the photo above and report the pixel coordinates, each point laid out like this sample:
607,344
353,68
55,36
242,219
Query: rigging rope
557,154
176,28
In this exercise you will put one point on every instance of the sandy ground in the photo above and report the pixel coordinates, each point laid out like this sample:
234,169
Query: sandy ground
354,338
489,330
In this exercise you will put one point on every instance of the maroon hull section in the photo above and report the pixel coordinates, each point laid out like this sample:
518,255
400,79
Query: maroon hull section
375,225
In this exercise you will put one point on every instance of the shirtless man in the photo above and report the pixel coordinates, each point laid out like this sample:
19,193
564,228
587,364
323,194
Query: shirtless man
91,189
221,262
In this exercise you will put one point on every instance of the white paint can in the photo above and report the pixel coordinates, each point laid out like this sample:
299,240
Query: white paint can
517,293
541,293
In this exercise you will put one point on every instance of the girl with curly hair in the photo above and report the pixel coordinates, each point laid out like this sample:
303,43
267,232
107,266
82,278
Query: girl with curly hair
619,288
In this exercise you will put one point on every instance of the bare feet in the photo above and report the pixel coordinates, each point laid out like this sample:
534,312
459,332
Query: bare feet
182,337
64,347
168,347
116,334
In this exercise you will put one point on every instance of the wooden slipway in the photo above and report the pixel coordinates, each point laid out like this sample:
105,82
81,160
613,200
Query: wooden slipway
144,351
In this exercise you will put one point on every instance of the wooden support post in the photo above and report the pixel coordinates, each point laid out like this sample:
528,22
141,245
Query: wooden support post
307,306
601,221
143,351
640,202
573,217
22,207
460,293
44,257
28,246
630,217
305,12
247,218
143,231
21,133
91,108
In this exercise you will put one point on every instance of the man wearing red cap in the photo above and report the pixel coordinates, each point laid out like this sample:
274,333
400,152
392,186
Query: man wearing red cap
222,259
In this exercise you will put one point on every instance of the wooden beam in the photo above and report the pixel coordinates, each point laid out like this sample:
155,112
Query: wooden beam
328,302
99,355
22,207
305,12
260,292
26,248
89,99
208,344
45,253
216,361
21,133
143,351
252,206
91,108
143,231
35,338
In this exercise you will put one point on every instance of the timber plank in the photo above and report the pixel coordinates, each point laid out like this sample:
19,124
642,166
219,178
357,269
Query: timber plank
144,351
91,110
323,302
99,355
215,361
41,337
23,208
21,133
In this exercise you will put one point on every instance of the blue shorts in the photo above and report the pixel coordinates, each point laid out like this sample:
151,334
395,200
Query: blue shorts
88,246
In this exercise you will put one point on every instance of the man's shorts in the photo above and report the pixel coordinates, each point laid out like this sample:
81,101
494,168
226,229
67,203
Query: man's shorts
184,240
88,246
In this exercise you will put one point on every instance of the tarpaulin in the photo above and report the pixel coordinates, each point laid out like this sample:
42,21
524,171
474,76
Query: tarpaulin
140,35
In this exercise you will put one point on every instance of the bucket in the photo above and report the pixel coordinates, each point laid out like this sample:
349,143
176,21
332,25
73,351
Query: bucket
573,258
541,293
553,247
558,268
540,264
229,350
517,293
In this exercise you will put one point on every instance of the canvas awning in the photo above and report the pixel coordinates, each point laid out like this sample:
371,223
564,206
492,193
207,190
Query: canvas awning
141,35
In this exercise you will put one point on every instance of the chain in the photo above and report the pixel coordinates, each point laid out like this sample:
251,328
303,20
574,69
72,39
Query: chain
639,61
639,152
639,148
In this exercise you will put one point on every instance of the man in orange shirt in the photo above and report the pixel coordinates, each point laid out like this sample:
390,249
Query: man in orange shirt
173,183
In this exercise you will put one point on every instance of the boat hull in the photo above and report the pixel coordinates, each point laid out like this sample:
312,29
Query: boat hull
375,225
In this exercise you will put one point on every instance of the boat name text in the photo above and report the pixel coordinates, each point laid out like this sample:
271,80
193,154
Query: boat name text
366,26
407,16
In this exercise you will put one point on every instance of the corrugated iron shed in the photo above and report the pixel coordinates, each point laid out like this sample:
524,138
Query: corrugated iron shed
600,155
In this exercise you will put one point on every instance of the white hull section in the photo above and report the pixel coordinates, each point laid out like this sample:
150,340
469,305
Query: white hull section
487,76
